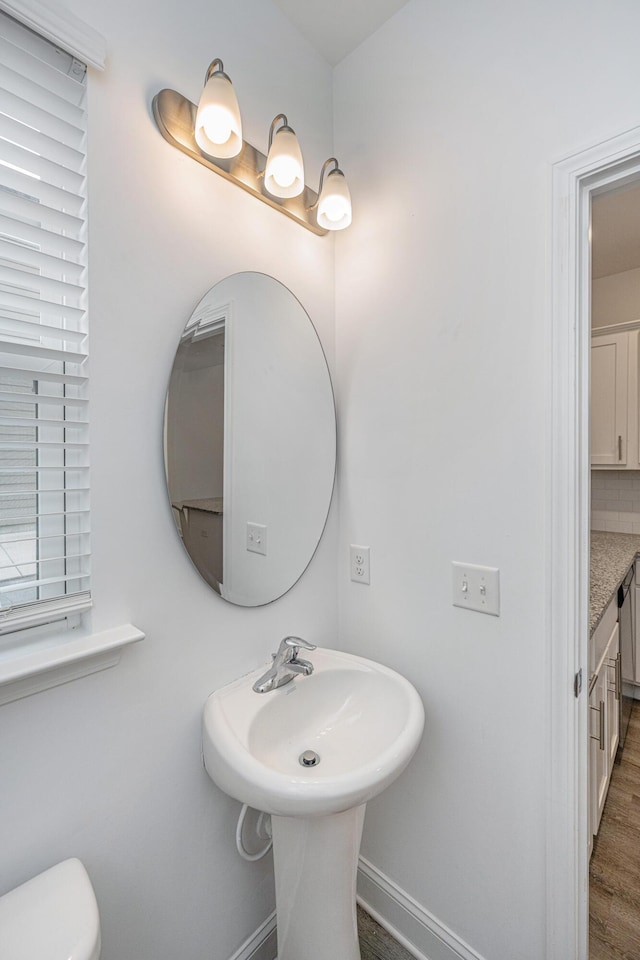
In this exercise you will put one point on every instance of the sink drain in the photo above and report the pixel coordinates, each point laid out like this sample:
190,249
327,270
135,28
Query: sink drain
309,758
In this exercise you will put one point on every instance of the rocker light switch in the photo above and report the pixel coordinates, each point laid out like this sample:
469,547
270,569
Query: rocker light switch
476,588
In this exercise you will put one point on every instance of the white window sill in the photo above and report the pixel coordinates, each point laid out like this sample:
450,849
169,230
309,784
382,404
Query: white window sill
65,657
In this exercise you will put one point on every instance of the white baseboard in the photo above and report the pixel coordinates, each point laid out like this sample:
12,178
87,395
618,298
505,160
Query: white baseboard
261,945
417,930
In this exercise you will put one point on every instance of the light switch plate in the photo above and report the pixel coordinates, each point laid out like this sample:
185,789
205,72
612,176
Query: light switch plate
257,538
476,588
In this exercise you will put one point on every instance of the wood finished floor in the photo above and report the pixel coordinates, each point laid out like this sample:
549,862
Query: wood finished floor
376,943
614,887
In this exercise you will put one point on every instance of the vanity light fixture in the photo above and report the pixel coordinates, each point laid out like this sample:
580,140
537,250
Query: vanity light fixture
218,127
334,200
211,133
284,173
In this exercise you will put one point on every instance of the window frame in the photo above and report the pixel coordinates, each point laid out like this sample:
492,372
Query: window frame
53,33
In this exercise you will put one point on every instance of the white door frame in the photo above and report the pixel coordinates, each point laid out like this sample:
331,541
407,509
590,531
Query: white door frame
575,180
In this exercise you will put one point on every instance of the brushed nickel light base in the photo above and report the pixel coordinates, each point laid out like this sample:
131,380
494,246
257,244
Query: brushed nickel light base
175,117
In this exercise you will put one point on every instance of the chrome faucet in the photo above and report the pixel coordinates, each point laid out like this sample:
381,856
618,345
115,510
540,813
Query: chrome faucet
285,665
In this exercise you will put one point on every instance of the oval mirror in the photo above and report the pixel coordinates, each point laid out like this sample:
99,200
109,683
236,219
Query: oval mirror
250,439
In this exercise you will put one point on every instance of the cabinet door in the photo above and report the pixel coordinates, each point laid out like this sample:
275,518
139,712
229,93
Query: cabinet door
599,765
611,666
604,721
635,613
609,391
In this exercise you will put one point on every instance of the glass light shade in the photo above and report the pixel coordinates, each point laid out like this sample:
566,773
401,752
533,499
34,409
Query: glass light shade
284,172
218,129
334,203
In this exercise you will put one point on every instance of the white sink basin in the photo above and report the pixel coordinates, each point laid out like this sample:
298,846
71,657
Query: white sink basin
363,720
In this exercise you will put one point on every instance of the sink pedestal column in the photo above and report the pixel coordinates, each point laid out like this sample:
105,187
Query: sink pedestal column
316,861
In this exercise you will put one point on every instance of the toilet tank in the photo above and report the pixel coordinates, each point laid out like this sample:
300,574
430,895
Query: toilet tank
54,916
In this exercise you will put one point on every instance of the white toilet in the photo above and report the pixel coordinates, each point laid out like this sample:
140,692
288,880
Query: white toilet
52,917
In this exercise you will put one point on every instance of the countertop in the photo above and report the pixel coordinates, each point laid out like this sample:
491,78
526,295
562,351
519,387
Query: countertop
611,556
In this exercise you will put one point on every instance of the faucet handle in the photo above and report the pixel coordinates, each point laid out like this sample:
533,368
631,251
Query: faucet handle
294,643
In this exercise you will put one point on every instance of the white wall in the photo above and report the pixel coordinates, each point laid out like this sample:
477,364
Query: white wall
616,298
108,768
281,452
447,121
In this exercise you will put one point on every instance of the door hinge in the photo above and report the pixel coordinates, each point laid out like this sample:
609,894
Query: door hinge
577,683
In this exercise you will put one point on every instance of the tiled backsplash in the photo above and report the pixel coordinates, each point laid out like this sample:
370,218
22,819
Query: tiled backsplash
615,500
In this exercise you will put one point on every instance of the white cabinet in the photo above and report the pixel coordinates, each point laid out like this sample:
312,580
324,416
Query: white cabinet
636,621
611,669
604,695
615,421
598,752
610,399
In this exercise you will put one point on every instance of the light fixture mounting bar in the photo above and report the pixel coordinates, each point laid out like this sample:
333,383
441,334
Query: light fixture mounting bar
175,117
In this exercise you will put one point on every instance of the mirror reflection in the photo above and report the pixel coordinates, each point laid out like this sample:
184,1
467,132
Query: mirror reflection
250,439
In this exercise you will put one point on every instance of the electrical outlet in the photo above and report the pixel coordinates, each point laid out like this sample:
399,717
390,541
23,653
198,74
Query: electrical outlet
476,588
257,538
360,568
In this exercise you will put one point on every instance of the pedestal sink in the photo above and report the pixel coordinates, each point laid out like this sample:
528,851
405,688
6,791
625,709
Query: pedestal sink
311,753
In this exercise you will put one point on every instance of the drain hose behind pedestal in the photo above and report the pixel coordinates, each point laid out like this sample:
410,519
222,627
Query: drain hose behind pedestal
263,827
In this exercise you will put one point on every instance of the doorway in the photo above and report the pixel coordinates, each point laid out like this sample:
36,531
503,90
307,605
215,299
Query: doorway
576,181
614,769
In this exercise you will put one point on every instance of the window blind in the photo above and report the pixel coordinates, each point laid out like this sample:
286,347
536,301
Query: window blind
44,460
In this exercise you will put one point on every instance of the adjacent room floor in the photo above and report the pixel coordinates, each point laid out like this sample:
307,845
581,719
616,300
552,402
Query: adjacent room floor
376,943
614,888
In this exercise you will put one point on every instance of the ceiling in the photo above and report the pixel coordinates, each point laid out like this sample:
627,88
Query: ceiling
615,231
336,27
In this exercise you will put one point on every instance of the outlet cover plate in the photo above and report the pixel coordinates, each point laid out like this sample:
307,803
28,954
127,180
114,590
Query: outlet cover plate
359,563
